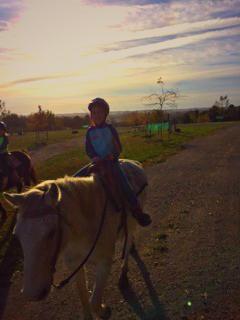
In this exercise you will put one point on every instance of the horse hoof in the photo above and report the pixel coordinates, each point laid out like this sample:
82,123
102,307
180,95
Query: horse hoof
123,282
104,312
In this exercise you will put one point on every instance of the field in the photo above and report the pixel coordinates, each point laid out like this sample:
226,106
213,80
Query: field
136,145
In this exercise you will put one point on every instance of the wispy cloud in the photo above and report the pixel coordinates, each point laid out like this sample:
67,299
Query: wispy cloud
177,12
21,81
171,32
122,2
9,12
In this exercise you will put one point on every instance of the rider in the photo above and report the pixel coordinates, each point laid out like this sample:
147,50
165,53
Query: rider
103,143
4,154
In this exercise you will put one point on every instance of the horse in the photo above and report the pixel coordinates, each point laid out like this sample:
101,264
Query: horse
68,216
25,171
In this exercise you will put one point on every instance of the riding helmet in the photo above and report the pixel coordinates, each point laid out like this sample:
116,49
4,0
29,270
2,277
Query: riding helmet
100,103
3,126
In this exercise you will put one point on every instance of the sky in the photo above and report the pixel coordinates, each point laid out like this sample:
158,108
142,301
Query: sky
61,54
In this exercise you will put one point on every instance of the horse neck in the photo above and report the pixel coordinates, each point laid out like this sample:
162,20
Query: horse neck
83,204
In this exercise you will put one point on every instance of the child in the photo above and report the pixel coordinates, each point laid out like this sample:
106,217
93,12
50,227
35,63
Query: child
103,143
4,155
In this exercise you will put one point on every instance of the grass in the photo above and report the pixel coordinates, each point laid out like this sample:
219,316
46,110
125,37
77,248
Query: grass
147,150
135,146
28,140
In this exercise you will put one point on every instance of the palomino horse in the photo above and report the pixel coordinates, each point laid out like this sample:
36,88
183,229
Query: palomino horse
25,171
63,216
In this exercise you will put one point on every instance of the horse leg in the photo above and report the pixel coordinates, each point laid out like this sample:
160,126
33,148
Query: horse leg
83,292
27,179
102,273
4,212
123,280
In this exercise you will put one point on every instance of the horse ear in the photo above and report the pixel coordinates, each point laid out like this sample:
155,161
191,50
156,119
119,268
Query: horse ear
53,195
14,199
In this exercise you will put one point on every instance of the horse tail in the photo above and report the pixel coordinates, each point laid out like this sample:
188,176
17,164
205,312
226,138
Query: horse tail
33,176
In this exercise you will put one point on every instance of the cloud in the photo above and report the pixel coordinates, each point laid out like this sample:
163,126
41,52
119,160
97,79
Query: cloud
9,13
162,34
176,12
106,45
26,80
122,2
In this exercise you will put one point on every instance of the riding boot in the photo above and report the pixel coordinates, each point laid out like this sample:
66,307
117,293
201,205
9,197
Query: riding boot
142,218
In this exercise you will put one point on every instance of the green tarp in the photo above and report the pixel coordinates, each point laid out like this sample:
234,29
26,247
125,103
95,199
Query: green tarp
158,126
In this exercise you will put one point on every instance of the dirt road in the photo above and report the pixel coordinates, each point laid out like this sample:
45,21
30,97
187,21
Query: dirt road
187,264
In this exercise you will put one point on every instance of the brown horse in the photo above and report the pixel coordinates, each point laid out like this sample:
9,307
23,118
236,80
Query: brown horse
25,171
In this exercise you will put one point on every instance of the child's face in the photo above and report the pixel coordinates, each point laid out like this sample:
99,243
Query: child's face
98,115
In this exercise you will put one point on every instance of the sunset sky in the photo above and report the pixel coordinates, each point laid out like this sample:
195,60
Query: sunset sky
61,54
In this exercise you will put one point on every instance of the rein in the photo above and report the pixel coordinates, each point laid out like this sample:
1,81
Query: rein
65,281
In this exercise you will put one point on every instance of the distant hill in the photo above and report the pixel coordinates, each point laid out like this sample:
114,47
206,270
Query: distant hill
119,113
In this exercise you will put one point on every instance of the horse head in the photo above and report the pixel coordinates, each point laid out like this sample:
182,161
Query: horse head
39,231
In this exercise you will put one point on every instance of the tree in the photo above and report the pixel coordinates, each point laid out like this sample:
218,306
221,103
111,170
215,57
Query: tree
38,122
3,111
77,122
13,122
223,102
166,97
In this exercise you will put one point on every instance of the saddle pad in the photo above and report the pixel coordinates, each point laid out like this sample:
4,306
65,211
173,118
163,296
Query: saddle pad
135,173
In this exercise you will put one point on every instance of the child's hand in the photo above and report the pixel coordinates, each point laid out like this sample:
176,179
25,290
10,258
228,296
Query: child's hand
110,157
96,159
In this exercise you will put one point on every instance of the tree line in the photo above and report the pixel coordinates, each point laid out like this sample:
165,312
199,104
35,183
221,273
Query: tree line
45,120
42,120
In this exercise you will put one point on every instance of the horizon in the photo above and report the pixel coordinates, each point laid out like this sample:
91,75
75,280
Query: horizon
120,111
112,49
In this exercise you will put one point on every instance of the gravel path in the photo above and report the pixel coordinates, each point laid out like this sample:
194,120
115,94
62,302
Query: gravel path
187,262
42,154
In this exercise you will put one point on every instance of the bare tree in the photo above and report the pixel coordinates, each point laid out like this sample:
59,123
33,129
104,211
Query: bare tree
223,102
166,97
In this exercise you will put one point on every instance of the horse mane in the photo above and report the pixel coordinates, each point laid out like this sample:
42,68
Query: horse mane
77,189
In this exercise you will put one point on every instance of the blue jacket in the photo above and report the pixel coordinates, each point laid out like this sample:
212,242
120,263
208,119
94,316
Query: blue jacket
102,141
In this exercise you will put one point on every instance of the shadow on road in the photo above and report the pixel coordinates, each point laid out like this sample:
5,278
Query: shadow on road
158,311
